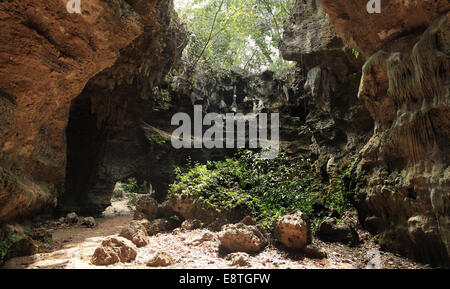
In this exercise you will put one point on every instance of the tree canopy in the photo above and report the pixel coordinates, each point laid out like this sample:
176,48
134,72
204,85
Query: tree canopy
231,34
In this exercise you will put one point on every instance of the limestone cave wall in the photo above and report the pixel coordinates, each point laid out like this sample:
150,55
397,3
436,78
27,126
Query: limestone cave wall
403,76
49,60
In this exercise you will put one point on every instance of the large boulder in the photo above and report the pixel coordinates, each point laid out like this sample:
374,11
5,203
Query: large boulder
342,232
72,218
146,207
242,238
293,230
24,247
114,250
136,232
162,225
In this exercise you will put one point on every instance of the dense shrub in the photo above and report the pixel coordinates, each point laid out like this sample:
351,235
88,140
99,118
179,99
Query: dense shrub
131,185
265,189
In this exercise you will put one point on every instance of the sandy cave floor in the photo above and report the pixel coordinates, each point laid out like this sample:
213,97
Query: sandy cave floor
73,246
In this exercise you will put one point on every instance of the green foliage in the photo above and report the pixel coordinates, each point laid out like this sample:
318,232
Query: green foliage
131,186
6,242
157,139
355,53
264,189
162,97
302,129
233,34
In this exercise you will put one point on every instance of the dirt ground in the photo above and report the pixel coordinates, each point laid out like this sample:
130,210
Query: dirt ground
73,246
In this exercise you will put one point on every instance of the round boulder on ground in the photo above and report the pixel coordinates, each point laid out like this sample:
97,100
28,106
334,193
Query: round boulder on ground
114,250
239,259
136,233
242,238
72,218
293,230
88,222
191,224
23,247
344,233
161,259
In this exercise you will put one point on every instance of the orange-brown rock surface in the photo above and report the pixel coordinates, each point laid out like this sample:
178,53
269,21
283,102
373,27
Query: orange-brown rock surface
47,56
369,32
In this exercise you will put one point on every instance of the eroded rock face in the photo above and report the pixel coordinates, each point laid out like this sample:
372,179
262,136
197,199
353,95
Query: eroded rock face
47,56
308,31
369,32
336,124
405,88
106,140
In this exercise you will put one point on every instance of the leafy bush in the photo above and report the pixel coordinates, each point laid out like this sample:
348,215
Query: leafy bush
264,189
131,186
5,243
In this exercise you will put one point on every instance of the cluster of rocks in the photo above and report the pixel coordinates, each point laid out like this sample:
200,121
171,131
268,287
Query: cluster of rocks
74,219
238,240
292,230
150,218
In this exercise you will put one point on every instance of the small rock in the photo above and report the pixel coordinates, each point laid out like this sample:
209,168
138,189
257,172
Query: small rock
136,233
114,250
161,259
242,238
191,224
198,238
292,230
238,259
343,233
158,226
72,218
315,253
88,222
